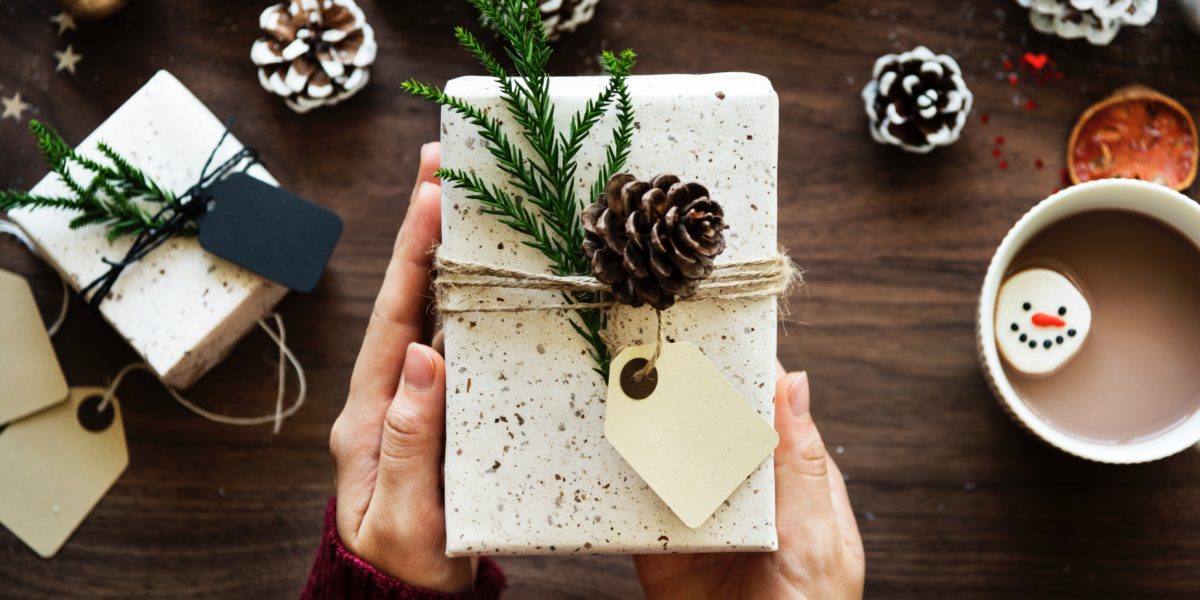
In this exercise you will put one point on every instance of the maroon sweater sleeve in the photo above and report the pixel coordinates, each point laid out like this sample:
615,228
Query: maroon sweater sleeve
338,574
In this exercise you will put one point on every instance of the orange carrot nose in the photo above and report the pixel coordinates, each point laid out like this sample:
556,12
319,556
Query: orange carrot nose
1045,320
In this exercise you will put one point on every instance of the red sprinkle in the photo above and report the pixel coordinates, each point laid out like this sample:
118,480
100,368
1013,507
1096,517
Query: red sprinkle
999,140
984,118
996,153
1036,61
1003,164
1030,105
1012,78
1038,163
1008,65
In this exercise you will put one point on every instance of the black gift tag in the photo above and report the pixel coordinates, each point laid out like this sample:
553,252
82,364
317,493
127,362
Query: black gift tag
269,230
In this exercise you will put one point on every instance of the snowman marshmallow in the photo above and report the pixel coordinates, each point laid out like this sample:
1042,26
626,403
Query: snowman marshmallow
1042,320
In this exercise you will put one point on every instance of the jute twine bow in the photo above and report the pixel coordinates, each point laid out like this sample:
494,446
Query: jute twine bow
461,287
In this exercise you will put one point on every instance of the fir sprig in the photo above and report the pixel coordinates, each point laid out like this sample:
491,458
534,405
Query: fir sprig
547,178
113,197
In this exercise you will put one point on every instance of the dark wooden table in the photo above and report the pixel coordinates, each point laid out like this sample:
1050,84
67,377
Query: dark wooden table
953,499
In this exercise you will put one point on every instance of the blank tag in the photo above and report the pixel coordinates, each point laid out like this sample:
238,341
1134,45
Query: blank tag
30,376
56,465
684,428
269,230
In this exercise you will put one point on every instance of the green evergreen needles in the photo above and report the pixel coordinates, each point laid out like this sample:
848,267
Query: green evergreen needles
114,197
547,179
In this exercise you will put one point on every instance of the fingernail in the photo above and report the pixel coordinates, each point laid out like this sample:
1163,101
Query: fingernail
798,399
418,368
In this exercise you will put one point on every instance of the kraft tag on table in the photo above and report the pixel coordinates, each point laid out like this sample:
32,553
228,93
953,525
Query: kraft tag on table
56,465
30,376
269,231
684,428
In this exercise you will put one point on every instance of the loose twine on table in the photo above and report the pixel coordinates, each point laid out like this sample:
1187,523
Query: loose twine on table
772,277
277,335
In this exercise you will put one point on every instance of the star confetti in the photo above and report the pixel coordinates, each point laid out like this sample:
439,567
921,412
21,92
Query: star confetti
67,59
65,22
14,107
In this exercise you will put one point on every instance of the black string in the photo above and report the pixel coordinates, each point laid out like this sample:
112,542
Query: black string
184,210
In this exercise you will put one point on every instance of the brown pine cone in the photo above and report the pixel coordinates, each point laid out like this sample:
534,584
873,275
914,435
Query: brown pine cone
315,52
653,242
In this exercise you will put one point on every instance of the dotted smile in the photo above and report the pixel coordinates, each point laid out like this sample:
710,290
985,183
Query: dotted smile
1022,305
1044,321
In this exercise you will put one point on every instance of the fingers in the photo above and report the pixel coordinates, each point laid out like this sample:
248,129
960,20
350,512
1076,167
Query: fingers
779,370
410,448
844,512
431,161
396,321
399,313
803,495
439,342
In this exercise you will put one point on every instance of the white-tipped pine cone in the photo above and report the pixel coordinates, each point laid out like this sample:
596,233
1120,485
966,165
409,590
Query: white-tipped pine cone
314,52
565,16
917,100
1097,20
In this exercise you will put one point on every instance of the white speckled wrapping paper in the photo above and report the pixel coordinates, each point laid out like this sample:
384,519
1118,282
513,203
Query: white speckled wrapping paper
528,470
180,307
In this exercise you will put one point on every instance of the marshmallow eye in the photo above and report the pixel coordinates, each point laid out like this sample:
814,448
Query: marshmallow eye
1042,320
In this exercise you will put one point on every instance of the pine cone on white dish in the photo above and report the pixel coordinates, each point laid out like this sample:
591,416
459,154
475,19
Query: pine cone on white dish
917,100
1097,20
314,52
565,16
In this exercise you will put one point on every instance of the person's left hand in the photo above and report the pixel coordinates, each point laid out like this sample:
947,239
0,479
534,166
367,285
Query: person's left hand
387,443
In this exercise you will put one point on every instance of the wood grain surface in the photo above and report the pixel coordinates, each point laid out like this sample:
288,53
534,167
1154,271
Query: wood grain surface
953,499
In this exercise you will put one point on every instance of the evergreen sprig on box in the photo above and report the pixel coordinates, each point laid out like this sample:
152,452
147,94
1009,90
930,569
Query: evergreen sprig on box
115,197
546,180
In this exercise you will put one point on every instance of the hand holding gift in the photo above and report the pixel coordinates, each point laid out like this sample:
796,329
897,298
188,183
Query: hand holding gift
387,445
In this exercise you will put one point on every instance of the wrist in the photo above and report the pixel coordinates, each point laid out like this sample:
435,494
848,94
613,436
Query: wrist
368,569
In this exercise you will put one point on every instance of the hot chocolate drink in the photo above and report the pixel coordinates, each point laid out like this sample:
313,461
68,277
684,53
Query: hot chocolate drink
1138,372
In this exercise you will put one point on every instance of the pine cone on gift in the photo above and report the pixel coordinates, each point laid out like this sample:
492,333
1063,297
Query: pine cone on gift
1097,20
653,242
917,100
315,52
565,16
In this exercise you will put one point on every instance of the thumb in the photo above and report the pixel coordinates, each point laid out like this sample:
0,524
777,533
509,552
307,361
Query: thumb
411,449
803,497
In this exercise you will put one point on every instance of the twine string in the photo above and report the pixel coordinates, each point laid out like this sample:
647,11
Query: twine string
286,357
12,229
660,341
463,286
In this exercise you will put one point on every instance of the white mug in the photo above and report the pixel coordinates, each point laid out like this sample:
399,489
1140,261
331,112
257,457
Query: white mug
1166,205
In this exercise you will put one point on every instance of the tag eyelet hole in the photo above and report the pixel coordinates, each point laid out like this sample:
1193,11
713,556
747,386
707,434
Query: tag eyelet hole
91,417
638,390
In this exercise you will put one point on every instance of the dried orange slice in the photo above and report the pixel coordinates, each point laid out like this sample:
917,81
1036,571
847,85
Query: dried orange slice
1136,133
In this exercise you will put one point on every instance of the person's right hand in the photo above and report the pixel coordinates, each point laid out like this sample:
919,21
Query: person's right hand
820,552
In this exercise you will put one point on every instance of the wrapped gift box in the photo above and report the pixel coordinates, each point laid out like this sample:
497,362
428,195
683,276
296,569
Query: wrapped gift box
528,470
181,308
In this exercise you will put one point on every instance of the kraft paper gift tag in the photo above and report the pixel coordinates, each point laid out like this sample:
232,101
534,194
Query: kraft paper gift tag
684,428
30,376
56,465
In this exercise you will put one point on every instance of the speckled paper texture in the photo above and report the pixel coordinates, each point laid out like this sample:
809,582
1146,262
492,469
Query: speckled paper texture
528,470
180,307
